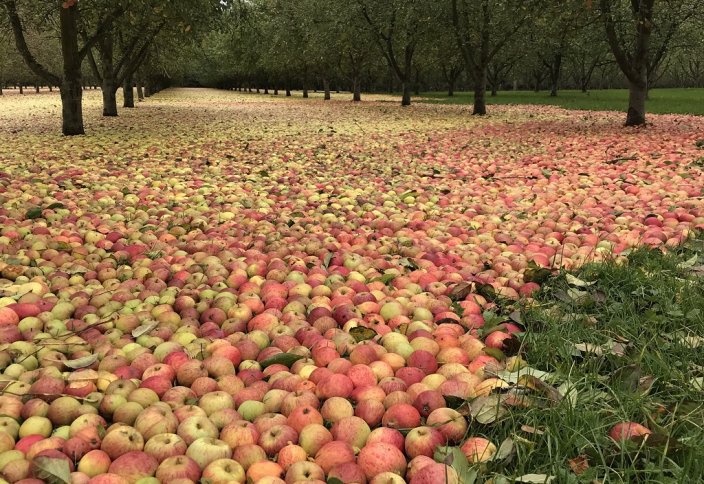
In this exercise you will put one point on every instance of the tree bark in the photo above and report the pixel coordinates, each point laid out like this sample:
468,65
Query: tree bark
637,95
109,85
326,87
356,89
406,97
21,89
71,87
480,92
276,91
128,93
555,70
140,90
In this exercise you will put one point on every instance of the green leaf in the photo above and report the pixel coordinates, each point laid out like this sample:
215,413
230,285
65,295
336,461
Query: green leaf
81,362
537,274
51,470
33,213
286,359
56,205
386,278
334,480
144,329
455,458
360,333
326,260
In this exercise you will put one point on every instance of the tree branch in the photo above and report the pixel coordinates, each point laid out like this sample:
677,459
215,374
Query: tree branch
104,26
23,48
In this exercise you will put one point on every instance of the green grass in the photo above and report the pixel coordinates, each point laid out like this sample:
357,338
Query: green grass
652,309
662,101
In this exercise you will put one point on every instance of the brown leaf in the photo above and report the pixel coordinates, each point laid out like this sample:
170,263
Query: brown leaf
461,291
579,464
538,385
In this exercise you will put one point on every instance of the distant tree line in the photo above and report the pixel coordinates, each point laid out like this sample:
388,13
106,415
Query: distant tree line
406,46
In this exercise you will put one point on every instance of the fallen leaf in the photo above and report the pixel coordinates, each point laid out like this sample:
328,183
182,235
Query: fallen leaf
579,464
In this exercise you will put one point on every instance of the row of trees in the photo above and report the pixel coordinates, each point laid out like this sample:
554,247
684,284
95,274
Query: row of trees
114,38
484,45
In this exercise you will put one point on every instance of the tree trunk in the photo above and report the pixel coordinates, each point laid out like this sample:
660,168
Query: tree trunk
451,86
326,87
276,91
36,88
356,89
21,89
72,107
109,84
288,91
494,90
128,93
71,86
555,70
637,94
406,97
480,93
109,98
140,90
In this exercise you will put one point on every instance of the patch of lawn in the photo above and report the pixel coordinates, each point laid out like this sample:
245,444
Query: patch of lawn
662,101
628,341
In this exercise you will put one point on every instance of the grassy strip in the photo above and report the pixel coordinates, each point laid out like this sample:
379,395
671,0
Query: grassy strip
662,101
630,344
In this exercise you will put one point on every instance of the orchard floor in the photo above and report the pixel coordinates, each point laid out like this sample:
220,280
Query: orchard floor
439,215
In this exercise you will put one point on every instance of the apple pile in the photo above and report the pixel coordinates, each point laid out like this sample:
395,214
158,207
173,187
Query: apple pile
284,308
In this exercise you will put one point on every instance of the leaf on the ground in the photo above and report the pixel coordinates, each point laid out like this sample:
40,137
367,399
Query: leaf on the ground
531,430
51,470
487,291
385,279
516,317
506,451
81,362
360,333
144,329
689,263
538,385
569,393
514,376
326,260
589,348
495,353
535,478
537,274
627,377
579,464
486,410
56,205
575,281
286,359
645,384
698,383
334,480
455,458
460,291
33,213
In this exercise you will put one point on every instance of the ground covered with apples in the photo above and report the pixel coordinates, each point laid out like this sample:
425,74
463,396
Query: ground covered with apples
239,288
